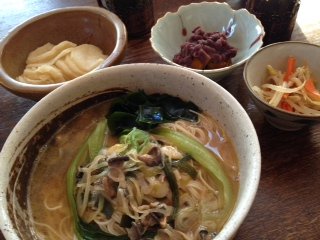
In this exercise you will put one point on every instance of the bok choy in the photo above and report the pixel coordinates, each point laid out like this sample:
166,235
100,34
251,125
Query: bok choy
87,152
204,157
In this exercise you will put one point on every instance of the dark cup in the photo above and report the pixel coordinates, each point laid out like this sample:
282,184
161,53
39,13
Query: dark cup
278,17
137,15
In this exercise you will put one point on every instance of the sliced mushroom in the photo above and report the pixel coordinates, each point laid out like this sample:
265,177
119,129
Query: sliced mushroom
110,187
150,220
136,231
152,158
155,218
205,235
117,161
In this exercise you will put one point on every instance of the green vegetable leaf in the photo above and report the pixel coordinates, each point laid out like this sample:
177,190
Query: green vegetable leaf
184,166
204,157
167,168
86,153
136,139
96,140
93,232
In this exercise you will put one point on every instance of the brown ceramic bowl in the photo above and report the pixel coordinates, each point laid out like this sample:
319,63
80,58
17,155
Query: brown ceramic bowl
80,25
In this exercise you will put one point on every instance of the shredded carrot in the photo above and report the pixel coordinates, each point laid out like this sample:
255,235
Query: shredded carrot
286,106
291,68
311,89
285,95
295,90
309,86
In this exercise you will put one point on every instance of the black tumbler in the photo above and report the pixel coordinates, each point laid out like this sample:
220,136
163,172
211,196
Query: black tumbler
278,17
137,15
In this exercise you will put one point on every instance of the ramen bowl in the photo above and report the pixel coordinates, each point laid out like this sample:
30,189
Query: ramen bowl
79,25
276,55
244,32
30,136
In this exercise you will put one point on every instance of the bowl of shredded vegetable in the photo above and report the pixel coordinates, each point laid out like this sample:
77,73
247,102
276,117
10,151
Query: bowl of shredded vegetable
283,80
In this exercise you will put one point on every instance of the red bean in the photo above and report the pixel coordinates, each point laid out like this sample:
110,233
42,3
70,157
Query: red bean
207,48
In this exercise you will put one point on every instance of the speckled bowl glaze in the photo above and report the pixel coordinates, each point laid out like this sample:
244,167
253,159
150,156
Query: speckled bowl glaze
244,29
92,25
34,129
276,55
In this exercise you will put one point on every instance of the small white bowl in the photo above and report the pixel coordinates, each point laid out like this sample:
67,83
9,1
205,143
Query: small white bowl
24,142
245,32
276,55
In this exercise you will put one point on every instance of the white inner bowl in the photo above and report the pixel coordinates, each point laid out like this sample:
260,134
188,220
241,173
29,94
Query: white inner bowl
276,55
244,29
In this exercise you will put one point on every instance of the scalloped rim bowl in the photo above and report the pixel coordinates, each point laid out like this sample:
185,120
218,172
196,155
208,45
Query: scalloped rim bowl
83,24
246,30
276,55
152,78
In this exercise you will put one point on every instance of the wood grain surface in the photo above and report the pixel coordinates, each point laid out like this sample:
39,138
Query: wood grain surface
287,205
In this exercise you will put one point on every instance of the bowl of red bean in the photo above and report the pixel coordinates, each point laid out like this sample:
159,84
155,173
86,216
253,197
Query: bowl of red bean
210,38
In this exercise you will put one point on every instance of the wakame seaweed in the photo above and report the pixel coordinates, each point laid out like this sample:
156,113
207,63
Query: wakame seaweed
146,112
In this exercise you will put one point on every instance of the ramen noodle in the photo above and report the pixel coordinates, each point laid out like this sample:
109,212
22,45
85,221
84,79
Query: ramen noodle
161,179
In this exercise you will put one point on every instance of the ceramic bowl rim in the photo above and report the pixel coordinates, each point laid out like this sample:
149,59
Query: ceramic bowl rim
244,203
206,71
121,42
254,95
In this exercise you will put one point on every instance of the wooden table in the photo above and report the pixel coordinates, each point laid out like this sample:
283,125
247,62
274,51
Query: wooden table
287,205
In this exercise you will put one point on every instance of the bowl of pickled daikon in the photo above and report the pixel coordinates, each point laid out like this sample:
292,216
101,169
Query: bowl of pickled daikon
58,46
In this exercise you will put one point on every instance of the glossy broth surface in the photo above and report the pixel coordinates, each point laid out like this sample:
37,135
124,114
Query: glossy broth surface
48,203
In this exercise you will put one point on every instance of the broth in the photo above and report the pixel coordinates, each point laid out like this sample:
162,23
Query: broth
47,199
48,181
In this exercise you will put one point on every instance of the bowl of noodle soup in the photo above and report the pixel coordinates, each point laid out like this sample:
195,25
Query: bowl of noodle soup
130,155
